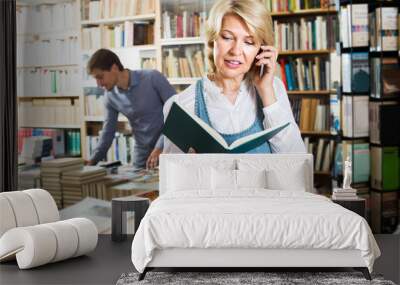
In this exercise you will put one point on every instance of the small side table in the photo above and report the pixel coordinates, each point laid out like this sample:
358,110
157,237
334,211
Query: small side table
357,205
121,205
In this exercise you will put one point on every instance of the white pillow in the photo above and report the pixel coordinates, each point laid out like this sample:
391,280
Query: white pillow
281,174
227,179
193,174
223,179
292,180
251,179
183,177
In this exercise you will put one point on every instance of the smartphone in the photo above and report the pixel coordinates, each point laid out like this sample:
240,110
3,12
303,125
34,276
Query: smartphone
262,66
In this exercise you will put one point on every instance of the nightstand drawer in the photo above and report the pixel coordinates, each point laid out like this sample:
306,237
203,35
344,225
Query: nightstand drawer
356,205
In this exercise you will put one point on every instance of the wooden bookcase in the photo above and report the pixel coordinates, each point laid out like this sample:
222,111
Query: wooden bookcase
312,136
182,38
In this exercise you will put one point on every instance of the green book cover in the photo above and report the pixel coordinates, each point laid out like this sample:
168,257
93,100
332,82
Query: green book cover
77,143
390,168
186,130
53,82
361,161
78,151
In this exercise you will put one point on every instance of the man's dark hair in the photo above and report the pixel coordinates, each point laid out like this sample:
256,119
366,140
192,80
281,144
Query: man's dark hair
103,59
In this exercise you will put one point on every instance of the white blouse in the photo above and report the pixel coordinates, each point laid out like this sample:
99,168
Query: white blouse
229,118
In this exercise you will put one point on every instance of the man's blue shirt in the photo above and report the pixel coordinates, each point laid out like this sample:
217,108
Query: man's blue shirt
142,103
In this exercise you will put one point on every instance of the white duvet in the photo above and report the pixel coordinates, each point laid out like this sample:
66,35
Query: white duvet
252,218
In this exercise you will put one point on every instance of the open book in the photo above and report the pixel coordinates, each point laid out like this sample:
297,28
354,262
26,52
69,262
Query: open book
186,130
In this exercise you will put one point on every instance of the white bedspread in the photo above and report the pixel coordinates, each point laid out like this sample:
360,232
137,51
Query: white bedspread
250,219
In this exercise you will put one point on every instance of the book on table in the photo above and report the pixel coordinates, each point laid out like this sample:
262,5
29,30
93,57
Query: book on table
186,131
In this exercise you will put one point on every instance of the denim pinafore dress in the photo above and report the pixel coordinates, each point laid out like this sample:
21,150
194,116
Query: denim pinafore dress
201,111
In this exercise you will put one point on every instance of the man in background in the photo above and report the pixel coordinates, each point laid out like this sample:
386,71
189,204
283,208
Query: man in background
140,96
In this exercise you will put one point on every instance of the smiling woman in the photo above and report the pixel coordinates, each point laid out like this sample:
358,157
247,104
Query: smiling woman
235,98
249,21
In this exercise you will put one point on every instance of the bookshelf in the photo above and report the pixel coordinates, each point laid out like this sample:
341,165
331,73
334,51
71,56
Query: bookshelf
309,92
117,20
306,52
182,41
306,38
353,135
302,12
370,59
47,83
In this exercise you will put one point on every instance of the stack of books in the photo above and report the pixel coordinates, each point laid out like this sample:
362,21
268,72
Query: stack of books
51,172
29,178
344,194
81,183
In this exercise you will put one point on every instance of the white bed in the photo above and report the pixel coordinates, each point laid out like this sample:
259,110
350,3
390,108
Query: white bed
232,211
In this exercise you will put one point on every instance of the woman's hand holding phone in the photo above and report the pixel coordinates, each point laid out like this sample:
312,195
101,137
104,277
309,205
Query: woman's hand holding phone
267,61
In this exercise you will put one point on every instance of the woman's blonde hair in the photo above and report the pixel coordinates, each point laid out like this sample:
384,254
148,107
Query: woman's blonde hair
254,14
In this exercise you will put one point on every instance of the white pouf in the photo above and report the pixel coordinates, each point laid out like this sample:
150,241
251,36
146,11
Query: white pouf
37,245
31,233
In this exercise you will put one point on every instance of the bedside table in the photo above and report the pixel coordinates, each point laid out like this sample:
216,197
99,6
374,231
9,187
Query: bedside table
119,206
357,205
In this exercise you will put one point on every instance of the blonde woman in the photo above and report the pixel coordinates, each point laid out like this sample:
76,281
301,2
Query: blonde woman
240,95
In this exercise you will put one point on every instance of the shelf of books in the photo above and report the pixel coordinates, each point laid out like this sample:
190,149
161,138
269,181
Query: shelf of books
283,13
287,8
48,75
182,41
310,92
306,32
96,18
130,29
370,101
183,62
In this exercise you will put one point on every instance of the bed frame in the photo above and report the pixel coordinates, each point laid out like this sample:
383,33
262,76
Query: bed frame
248,259
242,259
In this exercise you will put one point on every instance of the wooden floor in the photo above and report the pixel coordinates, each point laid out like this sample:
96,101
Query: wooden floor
110,260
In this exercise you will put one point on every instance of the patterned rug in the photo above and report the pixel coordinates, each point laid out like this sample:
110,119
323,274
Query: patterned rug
242,278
